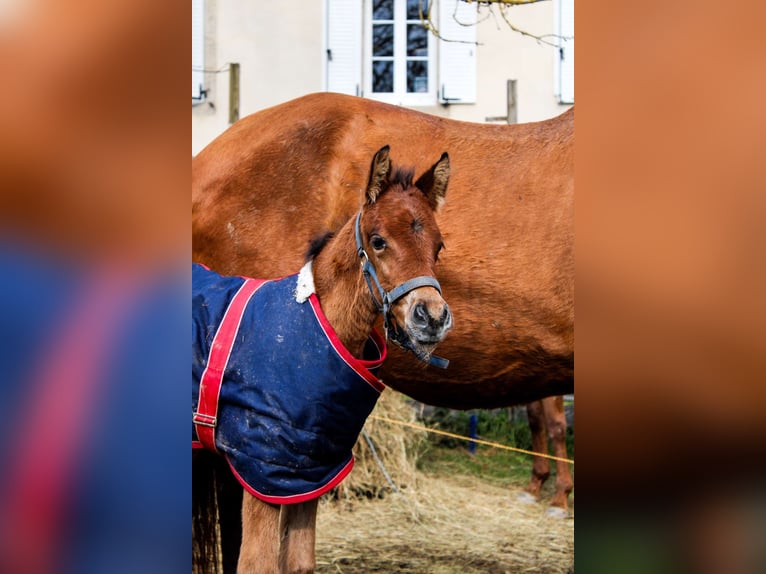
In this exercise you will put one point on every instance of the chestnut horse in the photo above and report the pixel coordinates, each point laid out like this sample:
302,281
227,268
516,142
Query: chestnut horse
395,238
547,421
275,179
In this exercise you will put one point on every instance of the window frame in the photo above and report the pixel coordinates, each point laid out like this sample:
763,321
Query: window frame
400,96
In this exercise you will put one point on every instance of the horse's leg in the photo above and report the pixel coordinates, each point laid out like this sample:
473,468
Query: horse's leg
557,432
541,468
297,527
259,553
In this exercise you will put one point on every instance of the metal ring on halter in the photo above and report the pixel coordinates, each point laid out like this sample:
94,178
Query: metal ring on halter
387,298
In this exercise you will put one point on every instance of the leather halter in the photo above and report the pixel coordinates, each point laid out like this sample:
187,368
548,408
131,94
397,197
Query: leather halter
387,298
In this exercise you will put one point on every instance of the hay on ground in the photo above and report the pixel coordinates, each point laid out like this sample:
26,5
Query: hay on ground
397,448
434,524
444,525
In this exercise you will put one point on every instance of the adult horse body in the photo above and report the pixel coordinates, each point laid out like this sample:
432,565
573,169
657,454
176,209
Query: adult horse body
275,179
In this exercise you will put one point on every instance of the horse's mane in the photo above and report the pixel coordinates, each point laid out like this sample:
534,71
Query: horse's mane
401,176
317,243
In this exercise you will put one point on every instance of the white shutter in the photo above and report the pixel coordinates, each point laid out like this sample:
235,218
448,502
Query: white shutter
566,54
457,58
198,49
344,46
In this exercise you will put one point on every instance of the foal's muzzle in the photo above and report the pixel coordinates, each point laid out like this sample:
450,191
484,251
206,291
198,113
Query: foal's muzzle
429,326
432,330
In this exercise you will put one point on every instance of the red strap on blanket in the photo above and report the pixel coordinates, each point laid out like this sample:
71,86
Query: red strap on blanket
205,418
67,391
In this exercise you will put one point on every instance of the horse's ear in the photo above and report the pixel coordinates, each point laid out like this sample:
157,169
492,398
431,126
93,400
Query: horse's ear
381,166
434,182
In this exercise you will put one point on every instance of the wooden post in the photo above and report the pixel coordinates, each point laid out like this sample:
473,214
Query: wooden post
233,92
510,97
511,102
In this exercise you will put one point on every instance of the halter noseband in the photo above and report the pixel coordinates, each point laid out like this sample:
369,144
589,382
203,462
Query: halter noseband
387,298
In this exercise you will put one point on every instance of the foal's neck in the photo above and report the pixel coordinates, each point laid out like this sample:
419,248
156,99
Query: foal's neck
341,289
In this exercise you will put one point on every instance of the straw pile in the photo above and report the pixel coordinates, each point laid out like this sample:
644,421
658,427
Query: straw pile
397,449
433,524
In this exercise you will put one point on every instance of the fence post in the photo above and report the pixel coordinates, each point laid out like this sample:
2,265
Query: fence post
233,92
511,96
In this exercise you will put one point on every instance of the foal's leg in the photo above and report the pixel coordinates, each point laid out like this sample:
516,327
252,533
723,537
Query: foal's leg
557,431
541,468
297,527
259,553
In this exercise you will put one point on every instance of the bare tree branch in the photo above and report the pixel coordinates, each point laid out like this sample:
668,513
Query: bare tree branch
554,40
429,25
542,39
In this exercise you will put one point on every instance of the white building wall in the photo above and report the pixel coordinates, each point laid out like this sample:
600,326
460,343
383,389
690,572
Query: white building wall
503,55
281,46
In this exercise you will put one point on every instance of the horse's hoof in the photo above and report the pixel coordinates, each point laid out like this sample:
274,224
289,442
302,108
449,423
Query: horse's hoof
526,498
556,512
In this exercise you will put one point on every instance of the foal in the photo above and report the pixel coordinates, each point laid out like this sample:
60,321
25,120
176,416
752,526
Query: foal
396,240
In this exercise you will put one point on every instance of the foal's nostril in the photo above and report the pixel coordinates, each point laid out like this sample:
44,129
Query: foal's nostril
446,319
422,319
420,315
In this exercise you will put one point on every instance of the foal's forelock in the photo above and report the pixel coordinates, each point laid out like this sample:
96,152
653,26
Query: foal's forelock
401,176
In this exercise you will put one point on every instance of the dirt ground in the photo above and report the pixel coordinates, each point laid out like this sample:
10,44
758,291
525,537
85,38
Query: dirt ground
452,524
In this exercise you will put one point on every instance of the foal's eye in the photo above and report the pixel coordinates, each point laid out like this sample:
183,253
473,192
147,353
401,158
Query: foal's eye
378,243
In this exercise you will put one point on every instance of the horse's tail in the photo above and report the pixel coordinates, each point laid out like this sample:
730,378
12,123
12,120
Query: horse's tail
216,515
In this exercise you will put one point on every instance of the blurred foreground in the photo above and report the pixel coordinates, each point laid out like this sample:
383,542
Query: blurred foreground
94,288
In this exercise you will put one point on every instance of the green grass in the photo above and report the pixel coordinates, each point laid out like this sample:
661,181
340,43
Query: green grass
446,455
499,467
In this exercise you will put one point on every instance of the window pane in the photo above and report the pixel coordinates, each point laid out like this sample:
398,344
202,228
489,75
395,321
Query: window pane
412,8
383,40
383,76
383,10
417,76
417,40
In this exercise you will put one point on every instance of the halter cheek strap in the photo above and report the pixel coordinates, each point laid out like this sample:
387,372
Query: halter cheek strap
387,298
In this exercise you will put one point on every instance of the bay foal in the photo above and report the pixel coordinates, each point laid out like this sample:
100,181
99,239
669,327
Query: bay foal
381,261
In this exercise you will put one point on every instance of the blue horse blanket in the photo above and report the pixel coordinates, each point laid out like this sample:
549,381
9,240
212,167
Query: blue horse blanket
273,389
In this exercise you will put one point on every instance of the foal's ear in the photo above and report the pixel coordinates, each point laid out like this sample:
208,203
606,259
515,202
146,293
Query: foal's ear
381,166
434,182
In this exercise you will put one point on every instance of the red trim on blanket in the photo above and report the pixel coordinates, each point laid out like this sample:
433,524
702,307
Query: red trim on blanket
296,498
360,366
205,418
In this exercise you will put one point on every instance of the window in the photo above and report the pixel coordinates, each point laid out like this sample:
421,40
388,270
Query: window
400,62
379,49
